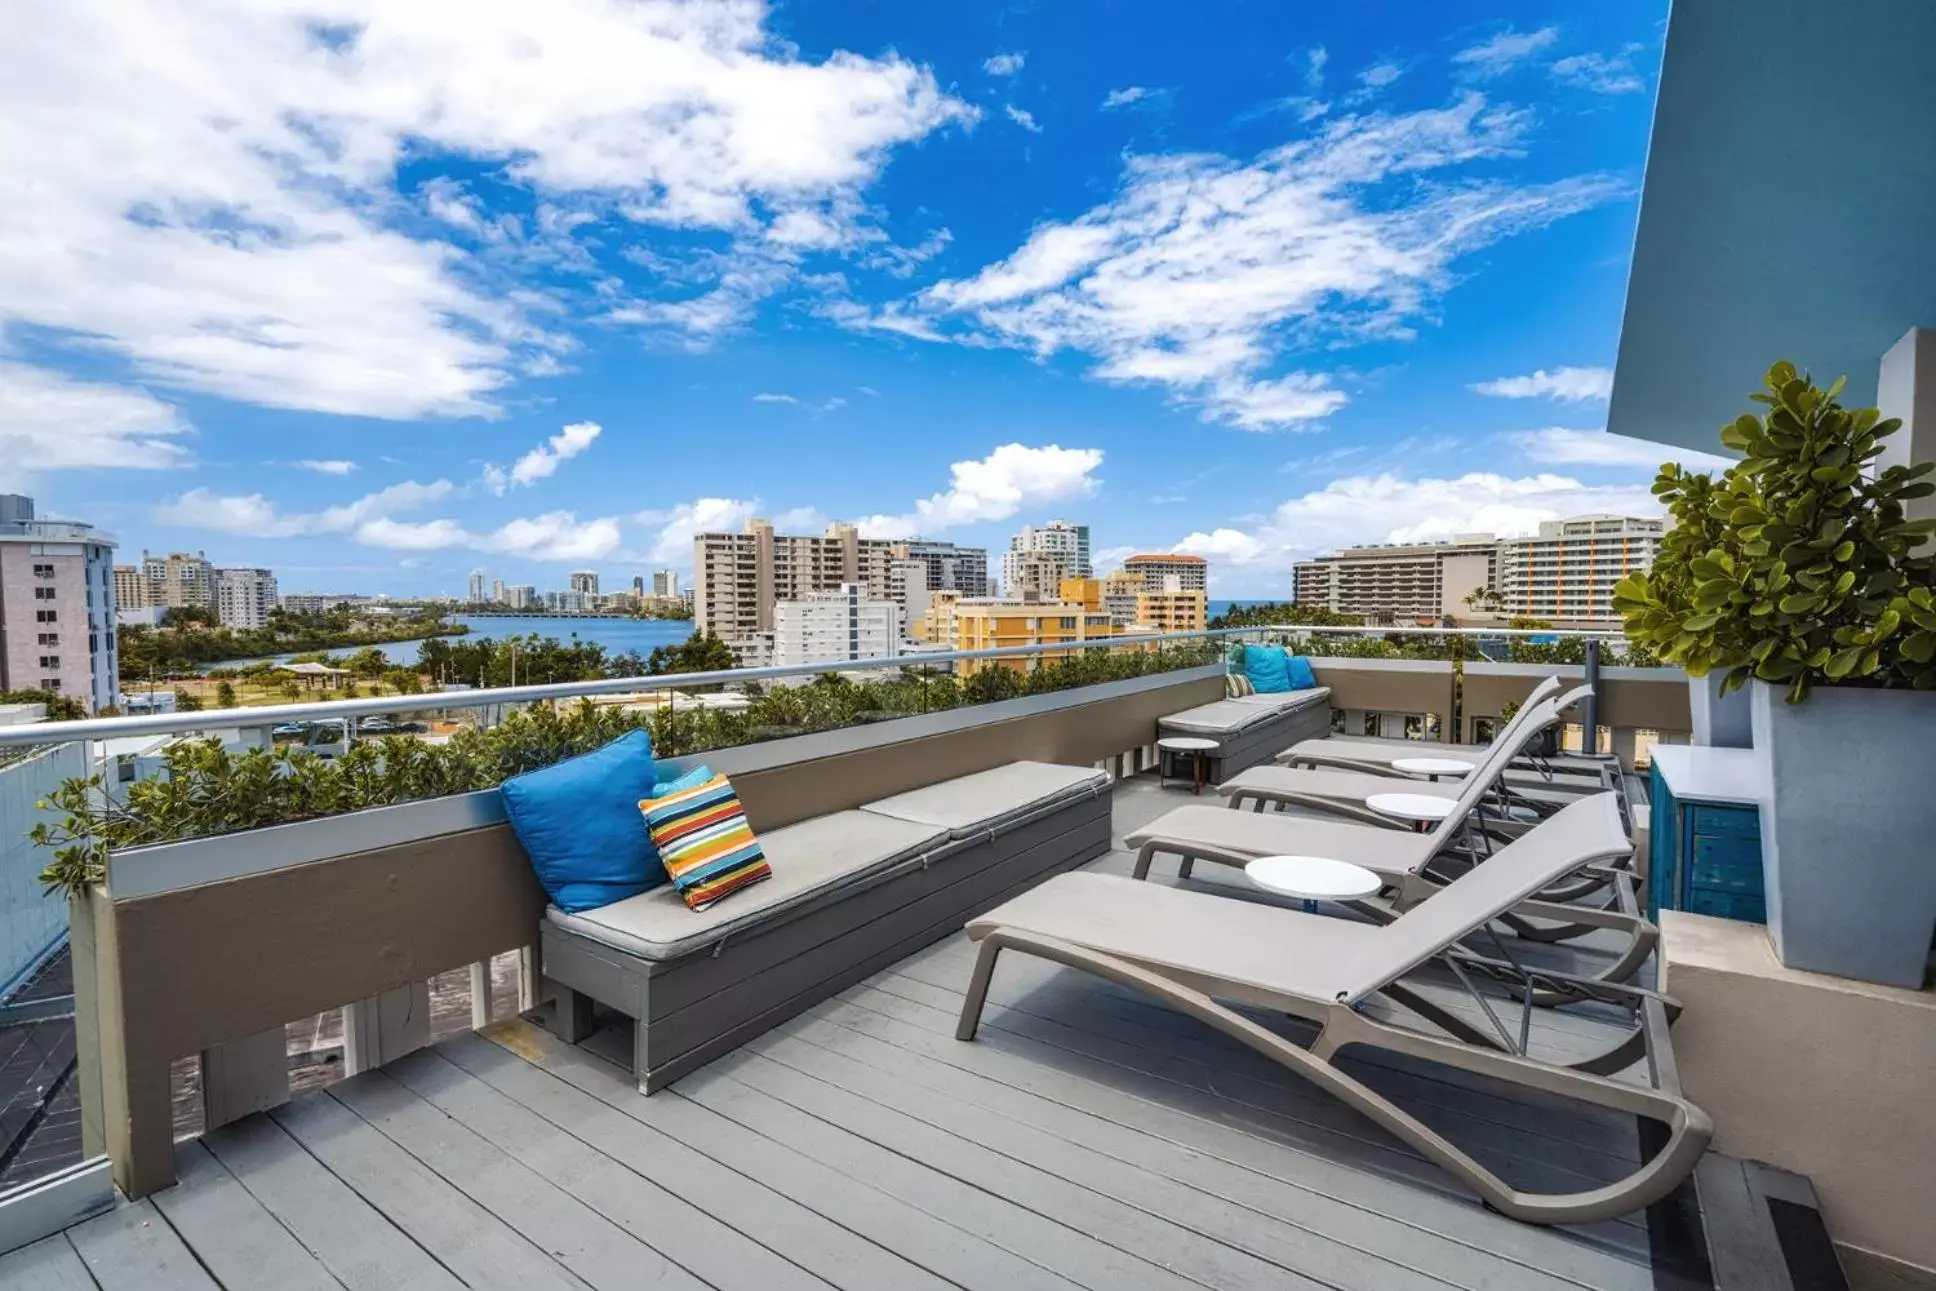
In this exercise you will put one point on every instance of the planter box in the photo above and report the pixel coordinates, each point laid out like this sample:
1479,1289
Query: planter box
1848,823
1720,721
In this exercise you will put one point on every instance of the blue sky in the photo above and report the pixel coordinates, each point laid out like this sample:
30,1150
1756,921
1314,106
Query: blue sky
376,294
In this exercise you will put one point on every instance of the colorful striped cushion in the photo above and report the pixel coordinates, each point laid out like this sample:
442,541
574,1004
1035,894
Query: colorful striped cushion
1236,685
704,840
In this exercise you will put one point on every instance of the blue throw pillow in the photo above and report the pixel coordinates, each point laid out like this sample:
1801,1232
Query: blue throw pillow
1268,669
579,823
690,780
1301,676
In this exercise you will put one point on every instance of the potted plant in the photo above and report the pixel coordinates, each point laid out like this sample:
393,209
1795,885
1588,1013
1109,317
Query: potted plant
1818,595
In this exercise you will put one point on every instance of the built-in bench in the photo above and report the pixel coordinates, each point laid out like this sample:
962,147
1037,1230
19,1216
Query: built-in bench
851,892
1248,729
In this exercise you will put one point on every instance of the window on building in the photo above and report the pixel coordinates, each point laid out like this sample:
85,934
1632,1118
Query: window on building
50,661
43,571
50,638
43,593
46,616
50,683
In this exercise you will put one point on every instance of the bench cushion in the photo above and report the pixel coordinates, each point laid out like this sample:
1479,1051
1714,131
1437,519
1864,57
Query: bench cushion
993,800
812,860
1228,716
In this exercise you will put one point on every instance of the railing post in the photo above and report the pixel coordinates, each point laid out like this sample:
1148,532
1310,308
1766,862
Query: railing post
1590,714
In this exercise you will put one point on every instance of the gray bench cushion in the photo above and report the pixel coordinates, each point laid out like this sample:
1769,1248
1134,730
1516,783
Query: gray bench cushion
813,859
994,800
1228,716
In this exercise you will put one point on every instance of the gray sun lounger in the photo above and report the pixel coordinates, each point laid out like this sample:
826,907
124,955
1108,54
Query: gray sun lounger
1190,949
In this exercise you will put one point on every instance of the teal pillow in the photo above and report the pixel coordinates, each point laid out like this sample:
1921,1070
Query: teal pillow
1268,669
1301,676
690,780
579,823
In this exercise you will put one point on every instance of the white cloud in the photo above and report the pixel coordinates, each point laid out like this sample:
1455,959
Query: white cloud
1022,118
678,525
544,460
1222,545
326,466
1204,272
869,391
1125,97
50,422
1561,383
1314,60
994,488
1503,52
1004,64
775,398
1601,73
223,210
1558,446
255,516
1379,75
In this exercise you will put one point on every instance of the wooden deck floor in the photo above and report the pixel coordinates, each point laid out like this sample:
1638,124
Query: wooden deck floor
1088,1139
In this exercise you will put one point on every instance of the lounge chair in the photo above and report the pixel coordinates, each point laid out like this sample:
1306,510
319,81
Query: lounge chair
1187,949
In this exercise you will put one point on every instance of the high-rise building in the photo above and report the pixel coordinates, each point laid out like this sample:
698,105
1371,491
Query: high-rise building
1184,573
130,588
57,626
474,592
520,596
665,582
1119,593
1173,610
497,591
569,601
584,582
983,624
834,624
244,597
950,568
742,576
1423,581
907,586
1061,543
1035,575
179,580
1566,572
1086,592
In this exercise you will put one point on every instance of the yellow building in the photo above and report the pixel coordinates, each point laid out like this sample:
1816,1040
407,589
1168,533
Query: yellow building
1173,611
937,626
1119,593
1003,624
1086,592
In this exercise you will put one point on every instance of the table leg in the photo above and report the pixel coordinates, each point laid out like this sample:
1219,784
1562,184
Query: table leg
1196,774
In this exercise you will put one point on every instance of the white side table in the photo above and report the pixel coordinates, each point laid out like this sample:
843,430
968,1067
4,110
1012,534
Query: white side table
1433,768
1189,746
1312,879
1420,809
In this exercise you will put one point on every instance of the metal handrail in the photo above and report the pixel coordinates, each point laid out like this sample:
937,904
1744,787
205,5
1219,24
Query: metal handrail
104,728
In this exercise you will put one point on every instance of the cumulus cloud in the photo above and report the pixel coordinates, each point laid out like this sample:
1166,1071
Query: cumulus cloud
1505,51
1379,75
995,487
1022,118
1126,96
326,466
1559,446
254,516
1561,383
1314,60
50,422
544,460
1004,64
223,209
1204,272
1601,73
677,525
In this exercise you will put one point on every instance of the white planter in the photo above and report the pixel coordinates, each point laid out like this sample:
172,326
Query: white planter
1848,829
1721,721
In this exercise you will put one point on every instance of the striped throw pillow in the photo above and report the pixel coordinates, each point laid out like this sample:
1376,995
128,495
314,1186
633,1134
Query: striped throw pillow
703,838
1236,685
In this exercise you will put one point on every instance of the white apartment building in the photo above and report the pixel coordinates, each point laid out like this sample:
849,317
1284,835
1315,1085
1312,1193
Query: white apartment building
179,580
520,596
497,591
741,577
474,589
665,582
1064,544
1424,581
244,597
908,587
834,624
130,589
584,582
318,602
950,568
57,616
1566,572
1171,572
570,601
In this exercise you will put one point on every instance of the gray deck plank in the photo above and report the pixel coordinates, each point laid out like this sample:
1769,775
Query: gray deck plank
590,1246
714,1251
588,1107
1203,1150
1308,1230
132,1248
1065,1181
460,1234
49,1264
233,1236
1053,1252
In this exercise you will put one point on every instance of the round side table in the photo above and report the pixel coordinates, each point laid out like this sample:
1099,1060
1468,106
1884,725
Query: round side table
1433,768
1422,810
1312,879
1191,747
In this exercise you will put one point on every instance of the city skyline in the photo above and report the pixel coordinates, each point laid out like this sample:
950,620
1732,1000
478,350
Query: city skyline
969,295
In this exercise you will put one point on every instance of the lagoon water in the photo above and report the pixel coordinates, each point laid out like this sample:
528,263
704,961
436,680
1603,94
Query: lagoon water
616,635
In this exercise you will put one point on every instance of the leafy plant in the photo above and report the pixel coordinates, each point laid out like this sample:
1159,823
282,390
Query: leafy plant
60,708
1798,566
